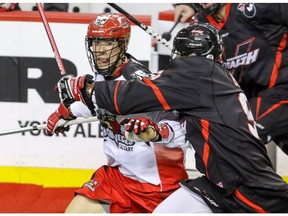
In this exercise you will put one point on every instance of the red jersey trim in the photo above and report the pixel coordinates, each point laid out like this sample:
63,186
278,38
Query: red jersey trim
220,25
241,197
115,97
257,108
170,160
277,62
274,107
158,94
119,70
206,150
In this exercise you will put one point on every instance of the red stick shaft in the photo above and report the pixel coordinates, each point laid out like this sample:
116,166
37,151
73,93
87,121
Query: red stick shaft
51,39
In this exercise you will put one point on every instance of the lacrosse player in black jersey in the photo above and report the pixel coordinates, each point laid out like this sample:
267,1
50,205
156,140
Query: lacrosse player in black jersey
256,52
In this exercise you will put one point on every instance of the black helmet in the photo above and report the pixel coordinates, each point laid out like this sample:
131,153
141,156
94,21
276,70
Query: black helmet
199,39
210,10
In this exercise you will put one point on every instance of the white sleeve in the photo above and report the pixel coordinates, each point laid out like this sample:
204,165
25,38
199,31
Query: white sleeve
177,138
79,109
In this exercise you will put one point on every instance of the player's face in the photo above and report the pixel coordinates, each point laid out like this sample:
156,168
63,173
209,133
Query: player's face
105,52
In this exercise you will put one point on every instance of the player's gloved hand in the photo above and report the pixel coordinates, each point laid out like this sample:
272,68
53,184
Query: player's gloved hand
108,121
73,89
57,119
144,130
114,126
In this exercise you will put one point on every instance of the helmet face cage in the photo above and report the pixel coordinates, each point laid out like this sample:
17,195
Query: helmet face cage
198,39
115,54
111,31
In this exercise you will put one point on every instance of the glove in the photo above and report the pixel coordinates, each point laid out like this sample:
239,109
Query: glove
108,121
73,89
114,126
145,130
56,120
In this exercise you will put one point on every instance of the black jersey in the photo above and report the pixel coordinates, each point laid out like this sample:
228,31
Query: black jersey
255,41
220,125
256,53
131,70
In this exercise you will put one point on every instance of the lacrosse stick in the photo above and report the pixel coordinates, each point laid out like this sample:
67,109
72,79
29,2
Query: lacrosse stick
78,120
62,71
147,29
167,35
51,39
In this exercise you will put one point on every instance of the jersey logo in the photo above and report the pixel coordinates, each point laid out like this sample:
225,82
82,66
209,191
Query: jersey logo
243,56
91,185
119,140
248,9
140,74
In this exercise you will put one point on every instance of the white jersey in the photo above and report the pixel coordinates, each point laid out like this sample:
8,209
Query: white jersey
157,163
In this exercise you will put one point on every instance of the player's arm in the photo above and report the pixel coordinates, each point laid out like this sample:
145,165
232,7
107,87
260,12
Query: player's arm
170,91
275,13
186,10
70,89
81,88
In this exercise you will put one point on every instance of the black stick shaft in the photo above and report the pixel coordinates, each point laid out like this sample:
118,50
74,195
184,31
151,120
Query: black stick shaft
147,29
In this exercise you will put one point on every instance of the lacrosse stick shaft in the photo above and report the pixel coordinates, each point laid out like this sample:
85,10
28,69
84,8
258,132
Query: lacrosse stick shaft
147,29
79,120
51,39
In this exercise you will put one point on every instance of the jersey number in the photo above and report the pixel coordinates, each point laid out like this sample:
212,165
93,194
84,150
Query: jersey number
246,108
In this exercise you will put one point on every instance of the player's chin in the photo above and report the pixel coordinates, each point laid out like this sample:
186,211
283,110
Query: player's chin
103,65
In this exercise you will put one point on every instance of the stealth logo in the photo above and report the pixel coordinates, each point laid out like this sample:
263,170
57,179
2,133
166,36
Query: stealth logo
242,60
243,56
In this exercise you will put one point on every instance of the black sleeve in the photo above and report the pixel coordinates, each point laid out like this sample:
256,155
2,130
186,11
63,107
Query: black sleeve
273,13
125,97
178,88
134,69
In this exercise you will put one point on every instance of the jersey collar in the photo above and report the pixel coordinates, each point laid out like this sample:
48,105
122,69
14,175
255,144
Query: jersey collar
219,25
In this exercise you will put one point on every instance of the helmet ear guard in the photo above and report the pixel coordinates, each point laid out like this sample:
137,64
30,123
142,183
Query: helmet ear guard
199,39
